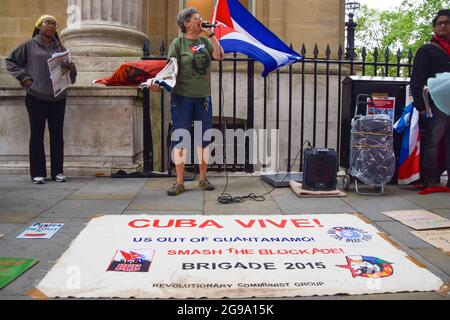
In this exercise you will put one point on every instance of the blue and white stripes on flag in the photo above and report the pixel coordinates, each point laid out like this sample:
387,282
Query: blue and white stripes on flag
409,163
239,31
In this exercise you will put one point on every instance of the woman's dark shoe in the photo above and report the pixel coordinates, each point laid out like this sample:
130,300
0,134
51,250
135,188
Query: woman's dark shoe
205,185
175,190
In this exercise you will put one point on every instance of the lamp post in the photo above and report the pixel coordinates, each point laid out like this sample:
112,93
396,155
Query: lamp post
351,8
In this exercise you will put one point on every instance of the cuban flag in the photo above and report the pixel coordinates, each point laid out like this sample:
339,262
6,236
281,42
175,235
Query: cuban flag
409,164
239,31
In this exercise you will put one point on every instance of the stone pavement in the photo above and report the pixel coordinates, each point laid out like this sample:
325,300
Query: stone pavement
76,202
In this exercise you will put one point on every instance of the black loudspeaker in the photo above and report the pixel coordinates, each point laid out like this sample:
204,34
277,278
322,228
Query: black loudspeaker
320,170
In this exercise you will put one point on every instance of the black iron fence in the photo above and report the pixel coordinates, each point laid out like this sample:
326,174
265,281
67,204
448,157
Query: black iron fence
303,102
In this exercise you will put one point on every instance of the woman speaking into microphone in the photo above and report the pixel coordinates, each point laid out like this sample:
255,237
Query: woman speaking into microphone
191,97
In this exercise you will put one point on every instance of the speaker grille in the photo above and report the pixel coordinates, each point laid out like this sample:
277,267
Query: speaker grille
320,173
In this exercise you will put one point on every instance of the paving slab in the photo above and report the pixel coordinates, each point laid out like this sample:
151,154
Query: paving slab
403,234
162,213
46,251
373,206
247,208
5,229
9,183
157,184
20,206
109,189
240,187
191,200
437,257
289,203
430,201
85,209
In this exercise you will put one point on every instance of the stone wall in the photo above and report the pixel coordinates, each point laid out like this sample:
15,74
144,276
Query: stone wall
17,19
103,131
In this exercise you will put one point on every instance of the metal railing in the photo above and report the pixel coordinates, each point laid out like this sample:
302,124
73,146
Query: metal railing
310,113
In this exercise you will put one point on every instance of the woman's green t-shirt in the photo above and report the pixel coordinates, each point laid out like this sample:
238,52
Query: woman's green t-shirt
194,66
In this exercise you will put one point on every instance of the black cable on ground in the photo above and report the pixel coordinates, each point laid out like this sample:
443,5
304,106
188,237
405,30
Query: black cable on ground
226,198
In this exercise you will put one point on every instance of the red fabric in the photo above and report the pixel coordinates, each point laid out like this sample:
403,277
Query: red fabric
444,43
434,190
134,73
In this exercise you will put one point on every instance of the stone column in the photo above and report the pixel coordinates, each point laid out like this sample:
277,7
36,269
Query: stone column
104,28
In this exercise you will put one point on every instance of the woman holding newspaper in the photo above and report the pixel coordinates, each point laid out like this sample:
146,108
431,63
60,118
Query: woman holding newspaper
191,97
29,64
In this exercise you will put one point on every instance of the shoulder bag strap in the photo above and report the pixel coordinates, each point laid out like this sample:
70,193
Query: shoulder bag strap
439,47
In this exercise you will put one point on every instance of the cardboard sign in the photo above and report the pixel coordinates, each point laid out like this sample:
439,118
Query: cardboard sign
234,257
437,238
12,268
383,105
41,231
419,219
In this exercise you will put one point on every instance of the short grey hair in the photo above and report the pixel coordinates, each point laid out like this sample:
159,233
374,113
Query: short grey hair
184,16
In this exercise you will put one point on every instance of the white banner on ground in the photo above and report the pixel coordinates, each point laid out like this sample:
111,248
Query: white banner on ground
234,257
437,238
419,219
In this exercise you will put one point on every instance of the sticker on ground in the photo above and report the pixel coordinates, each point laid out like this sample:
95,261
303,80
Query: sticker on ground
12,268
232,257
419,219
437,238
41,231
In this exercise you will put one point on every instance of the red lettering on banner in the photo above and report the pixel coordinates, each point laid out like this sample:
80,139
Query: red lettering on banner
158,224
298,223
192,223
210,223
302,223
133,224
248,225
185,224
194,252
281,225
179,223
264,252
318,223
129,267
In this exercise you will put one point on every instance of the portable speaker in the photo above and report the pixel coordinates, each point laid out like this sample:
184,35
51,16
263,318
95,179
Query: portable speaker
320,170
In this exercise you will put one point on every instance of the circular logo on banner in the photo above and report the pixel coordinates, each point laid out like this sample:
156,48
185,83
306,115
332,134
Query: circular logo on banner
349,234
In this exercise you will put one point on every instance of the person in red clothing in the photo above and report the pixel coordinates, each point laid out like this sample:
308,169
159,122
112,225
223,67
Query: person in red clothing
431,59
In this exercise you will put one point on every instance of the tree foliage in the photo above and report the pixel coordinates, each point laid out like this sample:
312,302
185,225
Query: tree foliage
407,27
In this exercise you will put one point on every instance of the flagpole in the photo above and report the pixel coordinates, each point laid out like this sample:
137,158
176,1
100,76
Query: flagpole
215,12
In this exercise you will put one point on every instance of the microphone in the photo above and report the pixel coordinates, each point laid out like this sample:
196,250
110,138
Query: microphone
209,25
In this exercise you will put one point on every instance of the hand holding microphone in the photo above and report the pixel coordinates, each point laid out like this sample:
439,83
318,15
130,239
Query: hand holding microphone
207,24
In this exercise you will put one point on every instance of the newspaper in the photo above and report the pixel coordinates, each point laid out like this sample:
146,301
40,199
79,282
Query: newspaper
59,74
167,78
